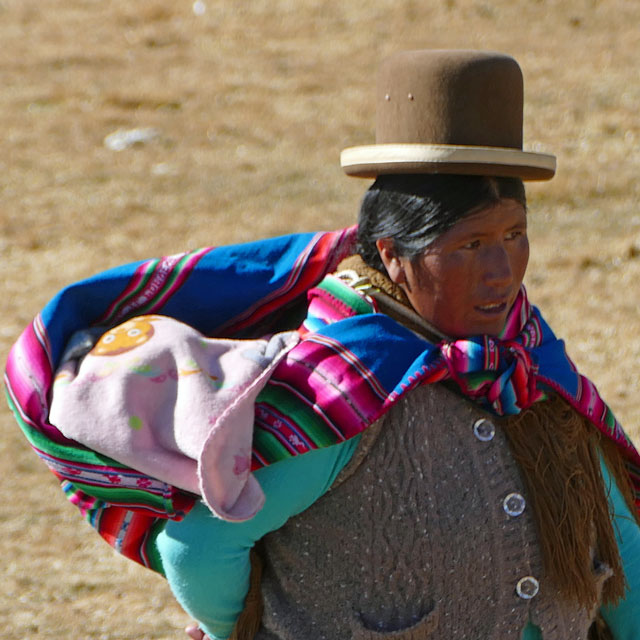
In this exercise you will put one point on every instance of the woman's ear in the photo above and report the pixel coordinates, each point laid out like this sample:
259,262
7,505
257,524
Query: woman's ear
392,263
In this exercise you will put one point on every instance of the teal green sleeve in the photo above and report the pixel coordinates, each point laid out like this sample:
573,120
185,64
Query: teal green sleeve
206,560
624,618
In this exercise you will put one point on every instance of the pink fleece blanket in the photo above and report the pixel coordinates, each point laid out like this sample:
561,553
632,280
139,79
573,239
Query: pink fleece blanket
156,395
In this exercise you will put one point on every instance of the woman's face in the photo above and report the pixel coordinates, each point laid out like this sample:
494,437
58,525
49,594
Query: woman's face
466,281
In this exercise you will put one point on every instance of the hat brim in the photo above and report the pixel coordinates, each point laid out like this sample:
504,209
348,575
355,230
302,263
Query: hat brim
373,160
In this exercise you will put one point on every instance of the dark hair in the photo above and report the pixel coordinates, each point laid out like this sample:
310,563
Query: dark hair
414,209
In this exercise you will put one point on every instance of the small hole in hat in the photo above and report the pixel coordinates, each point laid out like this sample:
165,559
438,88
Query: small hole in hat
410,96
387,97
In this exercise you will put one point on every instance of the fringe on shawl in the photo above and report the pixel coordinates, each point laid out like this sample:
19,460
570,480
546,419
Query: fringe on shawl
248,623
557,451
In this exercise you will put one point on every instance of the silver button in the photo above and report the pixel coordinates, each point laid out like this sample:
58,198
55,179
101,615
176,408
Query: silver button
527,587
514,504
484,429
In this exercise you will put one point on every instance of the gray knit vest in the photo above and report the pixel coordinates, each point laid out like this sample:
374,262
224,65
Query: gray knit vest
430,537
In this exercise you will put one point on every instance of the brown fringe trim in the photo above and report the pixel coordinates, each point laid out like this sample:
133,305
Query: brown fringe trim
599,630
557,451
250,619
391,299
377,279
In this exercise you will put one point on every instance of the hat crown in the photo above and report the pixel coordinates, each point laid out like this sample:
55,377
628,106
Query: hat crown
449,111
470,98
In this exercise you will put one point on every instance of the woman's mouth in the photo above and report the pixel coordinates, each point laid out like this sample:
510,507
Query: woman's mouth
492,308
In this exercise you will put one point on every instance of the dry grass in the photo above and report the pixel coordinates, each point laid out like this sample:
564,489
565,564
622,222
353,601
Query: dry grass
253,102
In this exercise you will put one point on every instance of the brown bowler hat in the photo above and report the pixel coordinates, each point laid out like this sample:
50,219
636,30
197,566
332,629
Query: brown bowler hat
449,111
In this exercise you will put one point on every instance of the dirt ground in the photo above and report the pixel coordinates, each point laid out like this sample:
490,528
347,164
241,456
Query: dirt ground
250,104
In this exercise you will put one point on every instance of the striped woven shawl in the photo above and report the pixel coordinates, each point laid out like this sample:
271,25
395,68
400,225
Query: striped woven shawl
350,367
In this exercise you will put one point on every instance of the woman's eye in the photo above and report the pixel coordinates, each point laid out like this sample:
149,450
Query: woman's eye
474,244
512,235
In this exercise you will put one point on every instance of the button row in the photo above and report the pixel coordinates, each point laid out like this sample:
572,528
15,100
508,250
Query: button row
514,505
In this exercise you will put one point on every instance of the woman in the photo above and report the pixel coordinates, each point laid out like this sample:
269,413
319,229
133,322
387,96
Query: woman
431,516
504,556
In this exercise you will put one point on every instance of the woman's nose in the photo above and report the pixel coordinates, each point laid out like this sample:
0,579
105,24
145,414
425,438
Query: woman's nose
497,268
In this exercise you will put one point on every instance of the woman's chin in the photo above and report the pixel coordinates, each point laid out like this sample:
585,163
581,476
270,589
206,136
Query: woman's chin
491,326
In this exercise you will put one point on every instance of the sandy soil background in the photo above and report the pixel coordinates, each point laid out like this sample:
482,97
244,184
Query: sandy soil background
251,103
